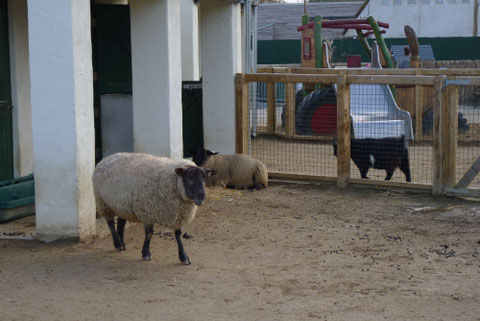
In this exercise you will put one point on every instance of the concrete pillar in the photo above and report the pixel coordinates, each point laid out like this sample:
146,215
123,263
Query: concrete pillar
190,40
157,77
20,76
62,117
221,60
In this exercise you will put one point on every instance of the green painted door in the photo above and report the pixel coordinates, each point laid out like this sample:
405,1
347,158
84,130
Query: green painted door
6,140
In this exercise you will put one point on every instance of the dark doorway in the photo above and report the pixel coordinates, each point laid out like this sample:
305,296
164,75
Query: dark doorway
6,138
192,116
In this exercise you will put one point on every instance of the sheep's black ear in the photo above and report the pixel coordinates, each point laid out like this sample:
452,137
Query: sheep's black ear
211,172
180,171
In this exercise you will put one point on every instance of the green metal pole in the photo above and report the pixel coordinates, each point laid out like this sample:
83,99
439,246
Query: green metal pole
305,19
364,43
318,41
371,20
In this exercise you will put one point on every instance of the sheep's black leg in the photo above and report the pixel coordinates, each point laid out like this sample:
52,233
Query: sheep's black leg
405,167
363,172
146,244
117,242
389,174
121,229
181,251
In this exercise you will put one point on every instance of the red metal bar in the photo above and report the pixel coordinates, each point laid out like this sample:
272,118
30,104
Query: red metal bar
340,23
351,26
368,33
309,26
326,23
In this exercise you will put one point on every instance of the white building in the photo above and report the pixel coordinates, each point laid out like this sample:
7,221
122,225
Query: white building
429,18
50,54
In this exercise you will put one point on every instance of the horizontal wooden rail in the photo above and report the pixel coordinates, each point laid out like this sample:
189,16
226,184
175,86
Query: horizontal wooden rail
349,79
372,71
301,177
391,80
296,136
356,181
391,184
360,78
291,78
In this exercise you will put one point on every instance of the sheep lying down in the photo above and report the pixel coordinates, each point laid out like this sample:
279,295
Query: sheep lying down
235,171
148,189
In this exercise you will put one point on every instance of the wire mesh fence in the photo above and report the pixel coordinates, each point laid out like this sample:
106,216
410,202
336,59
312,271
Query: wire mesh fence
307,153
468,150
292,129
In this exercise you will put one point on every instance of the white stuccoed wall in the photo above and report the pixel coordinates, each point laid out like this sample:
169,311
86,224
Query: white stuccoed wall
157,77
62,117
190,38
437,18
221,60
20,81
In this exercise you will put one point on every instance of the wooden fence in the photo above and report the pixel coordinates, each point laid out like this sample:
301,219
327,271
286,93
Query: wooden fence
444,101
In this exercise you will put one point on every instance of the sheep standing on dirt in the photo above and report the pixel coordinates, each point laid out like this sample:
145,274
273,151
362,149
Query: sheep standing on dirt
148,189
234,171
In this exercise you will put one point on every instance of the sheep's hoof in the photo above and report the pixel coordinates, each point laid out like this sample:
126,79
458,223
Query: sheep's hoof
121,248
186,261
147,257
187,236
257,186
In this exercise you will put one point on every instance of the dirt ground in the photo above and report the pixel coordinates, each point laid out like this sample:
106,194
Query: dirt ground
289,252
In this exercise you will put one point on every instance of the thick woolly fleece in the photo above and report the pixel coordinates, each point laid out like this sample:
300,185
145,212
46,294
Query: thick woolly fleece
142,188
236,170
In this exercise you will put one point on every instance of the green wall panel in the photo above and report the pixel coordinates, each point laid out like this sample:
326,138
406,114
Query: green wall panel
278,51
288,51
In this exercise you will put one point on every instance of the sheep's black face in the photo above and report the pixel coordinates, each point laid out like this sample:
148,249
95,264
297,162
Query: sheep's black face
200,155
194,182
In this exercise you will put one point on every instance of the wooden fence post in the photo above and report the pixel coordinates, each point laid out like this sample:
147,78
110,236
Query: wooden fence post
241,114
450,135
438,103
271,107
343,131
289,109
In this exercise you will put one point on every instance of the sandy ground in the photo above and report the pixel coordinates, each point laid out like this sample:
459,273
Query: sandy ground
289,252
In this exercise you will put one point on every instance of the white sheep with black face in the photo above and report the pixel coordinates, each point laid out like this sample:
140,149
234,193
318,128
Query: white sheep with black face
148,189
236,171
